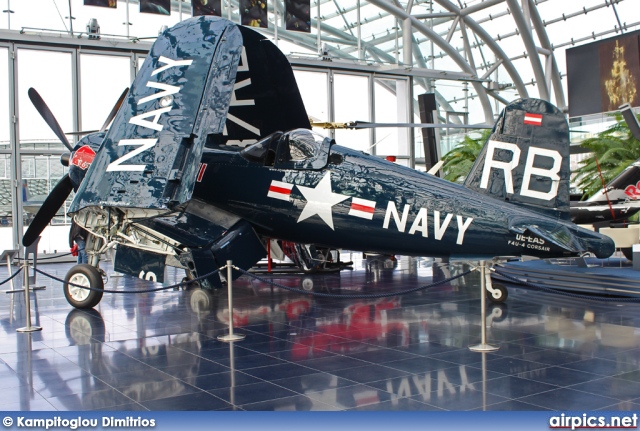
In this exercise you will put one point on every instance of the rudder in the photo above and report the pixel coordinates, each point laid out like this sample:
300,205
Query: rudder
525,161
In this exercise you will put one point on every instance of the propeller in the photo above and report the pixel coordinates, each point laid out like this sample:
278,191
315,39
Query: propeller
63,189
110,117
113,112
48,117
48,210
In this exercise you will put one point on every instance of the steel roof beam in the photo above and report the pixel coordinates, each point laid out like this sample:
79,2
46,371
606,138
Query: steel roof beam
546,43
455,56
491,44
479,6
527,39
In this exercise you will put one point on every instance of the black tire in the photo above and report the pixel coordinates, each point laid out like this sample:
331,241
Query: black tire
500,294
628,253
83,275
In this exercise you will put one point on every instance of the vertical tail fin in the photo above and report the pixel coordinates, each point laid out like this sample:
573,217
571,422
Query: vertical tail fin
526,158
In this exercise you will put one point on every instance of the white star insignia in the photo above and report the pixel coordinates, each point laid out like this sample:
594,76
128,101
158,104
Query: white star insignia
320,199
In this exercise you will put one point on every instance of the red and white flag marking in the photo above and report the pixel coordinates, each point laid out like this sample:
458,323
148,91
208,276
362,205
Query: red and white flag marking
203,167
362,208
280,190
533,119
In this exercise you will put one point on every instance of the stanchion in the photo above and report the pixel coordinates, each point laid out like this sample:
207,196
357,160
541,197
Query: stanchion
27,301
230,336
483,346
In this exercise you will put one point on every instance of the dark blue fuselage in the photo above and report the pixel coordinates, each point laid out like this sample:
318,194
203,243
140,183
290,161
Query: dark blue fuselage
413,213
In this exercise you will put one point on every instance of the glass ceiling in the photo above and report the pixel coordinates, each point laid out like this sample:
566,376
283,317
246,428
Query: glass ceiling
476,54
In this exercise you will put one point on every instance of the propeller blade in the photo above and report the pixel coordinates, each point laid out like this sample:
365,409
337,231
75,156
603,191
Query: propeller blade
48,117
113,112
83,132
48,210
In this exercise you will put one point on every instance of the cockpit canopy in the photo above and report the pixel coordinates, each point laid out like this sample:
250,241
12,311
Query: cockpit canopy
296,149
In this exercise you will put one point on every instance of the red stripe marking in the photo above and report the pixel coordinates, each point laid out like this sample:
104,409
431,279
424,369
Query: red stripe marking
203,167
362,208
277,189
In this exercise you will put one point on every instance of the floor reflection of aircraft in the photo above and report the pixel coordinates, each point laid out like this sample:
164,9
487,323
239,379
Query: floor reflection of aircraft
365,321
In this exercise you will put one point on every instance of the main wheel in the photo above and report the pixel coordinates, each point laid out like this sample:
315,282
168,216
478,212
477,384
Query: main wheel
499,294
87,276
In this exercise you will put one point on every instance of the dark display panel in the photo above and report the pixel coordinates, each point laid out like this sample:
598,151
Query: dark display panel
603,75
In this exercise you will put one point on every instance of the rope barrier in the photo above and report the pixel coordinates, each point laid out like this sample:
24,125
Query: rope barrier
44,258
561,292
11,278
352,296
344,296
173,286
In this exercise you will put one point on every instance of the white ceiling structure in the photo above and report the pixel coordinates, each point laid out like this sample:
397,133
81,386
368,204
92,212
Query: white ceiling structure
475,54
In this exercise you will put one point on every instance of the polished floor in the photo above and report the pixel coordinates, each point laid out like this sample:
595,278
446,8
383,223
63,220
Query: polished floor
159,351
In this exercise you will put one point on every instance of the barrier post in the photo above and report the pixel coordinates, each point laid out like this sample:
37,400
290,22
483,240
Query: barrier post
230,336
27,301
483,346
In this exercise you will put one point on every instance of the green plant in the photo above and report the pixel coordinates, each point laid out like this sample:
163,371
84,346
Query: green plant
458,161
614,148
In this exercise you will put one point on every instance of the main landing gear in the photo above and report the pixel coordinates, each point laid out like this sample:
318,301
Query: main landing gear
87,276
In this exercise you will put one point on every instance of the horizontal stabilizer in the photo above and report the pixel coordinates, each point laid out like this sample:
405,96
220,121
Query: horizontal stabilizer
572,241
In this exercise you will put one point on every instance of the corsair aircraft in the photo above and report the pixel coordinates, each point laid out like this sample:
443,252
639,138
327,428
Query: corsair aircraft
168,184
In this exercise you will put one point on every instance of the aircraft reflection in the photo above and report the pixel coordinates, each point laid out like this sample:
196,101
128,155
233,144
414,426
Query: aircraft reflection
161,346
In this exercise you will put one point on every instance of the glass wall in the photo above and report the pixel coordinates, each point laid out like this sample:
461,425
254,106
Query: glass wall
351,102
102,80
314,90
391,106
50,74
6,235
5,119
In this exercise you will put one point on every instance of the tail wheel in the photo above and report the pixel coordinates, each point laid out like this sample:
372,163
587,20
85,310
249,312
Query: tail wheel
499,294
83,275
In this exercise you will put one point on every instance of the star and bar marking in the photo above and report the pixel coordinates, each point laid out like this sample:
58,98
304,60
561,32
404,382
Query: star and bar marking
321,199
